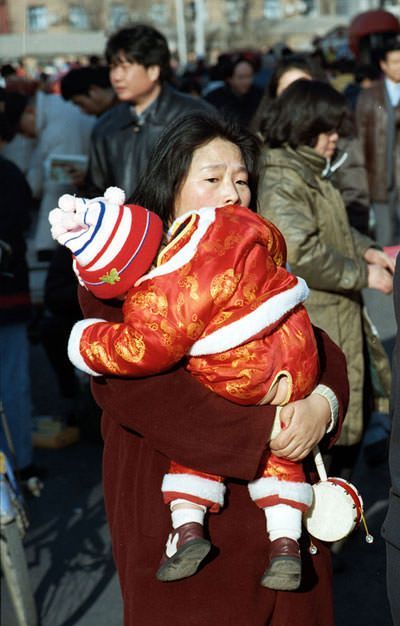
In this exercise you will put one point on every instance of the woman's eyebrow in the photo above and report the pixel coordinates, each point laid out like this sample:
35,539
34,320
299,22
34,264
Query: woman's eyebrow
213,166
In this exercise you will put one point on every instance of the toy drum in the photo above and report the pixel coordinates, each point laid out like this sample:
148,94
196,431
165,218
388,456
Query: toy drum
336,510
337,507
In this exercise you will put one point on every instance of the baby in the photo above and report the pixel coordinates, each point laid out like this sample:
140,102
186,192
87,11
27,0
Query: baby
219,296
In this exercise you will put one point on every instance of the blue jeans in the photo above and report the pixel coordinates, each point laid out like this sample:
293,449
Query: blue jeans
15,391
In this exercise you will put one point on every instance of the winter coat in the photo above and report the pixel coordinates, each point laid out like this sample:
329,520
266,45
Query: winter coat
15,206
122,143
150,420
61,129
240,108
372,126
391,526
325,251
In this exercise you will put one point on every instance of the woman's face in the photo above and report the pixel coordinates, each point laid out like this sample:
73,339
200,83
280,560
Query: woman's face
289,77
242,78
217,177
326,144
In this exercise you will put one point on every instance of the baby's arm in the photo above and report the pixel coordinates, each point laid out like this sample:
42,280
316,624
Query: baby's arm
156,333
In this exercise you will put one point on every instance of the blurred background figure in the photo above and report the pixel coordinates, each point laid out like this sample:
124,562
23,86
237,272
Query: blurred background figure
61,310
364,77
60,130
378,124
238,98
15,301
19,150
89,88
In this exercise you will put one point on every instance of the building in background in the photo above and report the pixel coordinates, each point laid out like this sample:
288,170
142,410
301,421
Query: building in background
47,28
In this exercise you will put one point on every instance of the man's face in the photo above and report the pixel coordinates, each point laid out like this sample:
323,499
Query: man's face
391,66
133,82
95,102
87,104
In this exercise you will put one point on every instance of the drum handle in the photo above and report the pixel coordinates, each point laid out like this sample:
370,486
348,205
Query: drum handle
319,464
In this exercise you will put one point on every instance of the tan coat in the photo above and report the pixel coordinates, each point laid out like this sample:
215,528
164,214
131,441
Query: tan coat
325,251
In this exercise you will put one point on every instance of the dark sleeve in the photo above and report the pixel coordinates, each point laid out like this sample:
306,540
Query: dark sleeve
333,375
190,424
97,177
16,202
61,286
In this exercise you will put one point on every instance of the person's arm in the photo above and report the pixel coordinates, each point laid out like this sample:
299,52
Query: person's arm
188,423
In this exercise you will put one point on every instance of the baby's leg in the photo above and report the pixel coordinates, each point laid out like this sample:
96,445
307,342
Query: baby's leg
189,494
284,495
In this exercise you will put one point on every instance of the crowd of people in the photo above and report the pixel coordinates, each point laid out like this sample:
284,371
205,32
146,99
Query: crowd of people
213,163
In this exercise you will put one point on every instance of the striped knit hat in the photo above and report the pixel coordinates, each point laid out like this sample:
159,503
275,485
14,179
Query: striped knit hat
119,246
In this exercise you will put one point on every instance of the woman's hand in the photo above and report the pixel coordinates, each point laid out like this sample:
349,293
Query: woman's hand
380,278
304,424
378,257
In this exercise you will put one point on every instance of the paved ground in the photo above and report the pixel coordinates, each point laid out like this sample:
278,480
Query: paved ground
68,545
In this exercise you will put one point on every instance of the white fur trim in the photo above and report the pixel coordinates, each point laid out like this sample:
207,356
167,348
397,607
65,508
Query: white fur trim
193,485
74,342
241,330
185,254
270,486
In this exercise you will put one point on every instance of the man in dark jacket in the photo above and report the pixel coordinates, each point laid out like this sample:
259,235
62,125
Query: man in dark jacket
123,137
391,527
378,124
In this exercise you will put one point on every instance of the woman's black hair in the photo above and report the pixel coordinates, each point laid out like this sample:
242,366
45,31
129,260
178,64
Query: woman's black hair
170,160
303,111
287,63
293,62
12,106
142,44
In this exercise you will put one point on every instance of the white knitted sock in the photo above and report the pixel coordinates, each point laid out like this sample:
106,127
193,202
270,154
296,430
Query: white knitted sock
283,521
184,514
